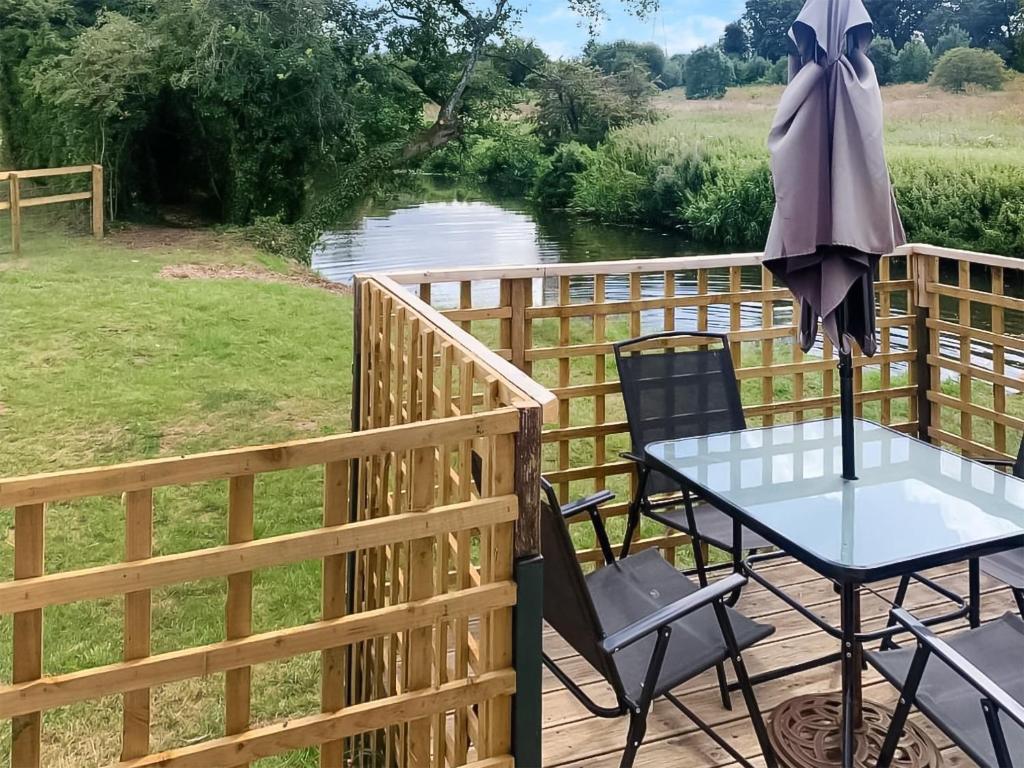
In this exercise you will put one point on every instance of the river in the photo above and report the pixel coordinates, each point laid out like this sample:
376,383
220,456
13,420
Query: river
441,225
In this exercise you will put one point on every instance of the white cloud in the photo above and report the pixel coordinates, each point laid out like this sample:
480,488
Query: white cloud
690,33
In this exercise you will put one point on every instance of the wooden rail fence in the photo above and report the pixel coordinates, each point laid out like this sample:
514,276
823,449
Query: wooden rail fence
950,349
16,202
465,388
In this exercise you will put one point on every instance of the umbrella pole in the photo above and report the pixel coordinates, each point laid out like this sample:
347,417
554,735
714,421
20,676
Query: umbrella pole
846,414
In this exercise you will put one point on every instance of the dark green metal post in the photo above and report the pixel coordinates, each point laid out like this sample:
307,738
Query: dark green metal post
528,646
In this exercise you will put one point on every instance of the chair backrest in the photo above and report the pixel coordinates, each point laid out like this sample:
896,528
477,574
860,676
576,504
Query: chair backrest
1018,464
568,607
677,384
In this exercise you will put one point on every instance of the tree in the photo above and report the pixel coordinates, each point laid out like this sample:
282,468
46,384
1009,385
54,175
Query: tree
900,19
577,102
883,55
672,77
778,73
735,41
517,59
709,72
962,67
914,63
622,55
751,71
768,22
954,37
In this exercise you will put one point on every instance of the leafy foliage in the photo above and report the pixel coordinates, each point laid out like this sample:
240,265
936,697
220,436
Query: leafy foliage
962,67
735,41
885,58
556,184
709,72
914,63
954,37
576,102
768,22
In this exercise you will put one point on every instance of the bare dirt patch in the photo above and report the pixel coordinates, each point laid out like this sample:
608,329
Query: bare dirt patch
296,276
147,237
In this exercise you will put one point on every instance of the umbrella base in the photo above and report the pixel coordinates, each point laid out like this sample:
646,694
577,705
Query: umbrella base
805,733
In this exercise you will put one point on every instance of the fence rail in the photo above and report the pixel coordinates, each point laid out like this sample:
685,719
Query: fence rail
16,203
950,346
428,625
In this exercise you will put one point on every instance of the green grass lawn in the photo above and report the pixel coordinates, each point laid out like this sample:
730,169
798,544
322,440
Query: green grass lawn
105,360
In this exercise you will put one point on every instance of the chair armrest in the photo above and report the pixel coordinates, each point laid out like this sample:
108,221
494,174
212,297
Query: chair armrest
956,661
630,456
638,630
593,501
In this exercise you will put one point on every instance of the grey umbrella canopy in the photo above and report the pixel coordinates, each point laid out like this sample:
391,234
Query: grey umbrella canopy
835,212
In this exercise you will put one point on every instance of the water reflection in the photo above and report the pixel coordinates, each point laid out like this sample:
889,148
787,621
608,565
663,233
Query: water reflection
440,226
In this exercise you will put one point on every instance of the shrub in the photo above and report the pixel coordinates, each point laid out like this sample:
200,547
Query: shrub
709,72
778,74
752,71
961,67
509,161
735,209
954,37
883,55
914,63
556,184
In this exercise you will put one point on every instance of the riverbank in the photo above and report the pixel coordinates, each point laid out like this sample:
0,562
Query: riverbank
957,162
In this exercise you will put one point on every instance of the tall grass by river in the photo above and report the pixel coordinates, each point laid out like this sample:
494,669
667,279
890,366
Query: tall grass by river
957,163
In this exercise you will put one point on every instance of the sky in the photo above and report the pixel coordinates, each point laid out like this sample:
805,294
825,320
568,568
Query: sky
680,25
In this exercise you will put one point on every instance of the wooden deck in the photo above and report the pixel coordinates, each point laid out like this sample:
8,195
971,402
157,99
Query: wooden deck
572,737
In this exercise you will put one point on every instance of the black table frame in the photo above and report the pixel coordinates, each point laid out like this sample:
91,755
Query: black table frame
849,583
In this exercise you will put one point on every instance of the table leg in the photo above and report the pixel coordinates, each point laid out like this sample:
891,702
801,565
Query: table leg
852,671
974,592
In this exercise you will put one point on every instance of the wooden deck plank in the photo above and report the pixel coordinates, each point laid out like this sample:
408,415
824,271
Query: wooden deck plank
572,737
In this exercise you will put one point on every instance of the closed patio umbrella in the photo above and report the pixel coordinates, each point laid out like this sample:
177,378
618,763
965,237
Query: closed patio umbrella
835,213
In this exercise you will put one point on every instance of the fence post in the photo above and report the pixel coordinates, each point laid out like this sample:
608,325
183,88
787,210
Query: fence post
920,266
27,659
529,575
15,198
97,201
520,297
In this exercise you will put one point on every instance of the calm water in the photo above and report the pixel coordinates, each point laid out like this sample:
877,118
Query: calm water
448,227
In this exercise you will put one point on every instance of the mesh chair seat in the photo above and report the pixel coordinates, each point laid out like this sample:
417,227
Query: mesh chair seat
631,589
713,526
1008,567
997,650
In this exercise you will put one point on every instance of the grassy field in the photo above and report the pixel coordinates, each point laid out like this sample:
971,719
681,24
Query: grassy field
107,358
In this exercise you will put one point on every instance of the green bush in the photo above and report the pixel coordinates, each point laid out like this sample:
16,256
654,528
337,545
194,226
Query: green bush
778,74
556,184
709,72
883,55
954,37
914,63
673,175
961,67
509,161
753,70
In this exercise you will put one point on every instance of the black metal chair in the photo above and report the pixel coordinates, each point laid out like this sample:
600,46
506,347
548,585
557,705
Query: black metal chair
1008,566
971,686
675,385
642,625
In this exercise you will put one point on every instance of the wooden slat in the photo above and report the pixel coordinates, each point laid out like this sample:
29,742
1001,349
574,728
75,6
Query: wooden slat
315,729
138,506
70,197
238,681
148,672
332,661
221,465
27,654
104,581
14,203
38,173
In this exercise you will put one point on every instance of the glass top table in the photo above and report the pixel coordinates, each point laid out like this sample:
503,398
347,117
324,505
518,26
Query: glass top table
913,506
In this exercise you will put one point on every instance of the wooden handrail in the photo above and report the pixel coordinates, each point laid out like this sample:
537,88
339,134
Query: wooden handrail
219,465
16,202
